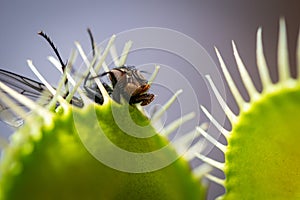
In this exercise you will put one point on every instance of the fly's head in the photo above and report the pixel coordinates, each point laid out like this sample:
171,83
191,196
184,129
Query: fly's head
128,82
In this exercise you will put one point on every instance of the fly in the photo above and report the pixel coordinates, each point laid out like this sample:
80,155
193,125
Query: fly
126,82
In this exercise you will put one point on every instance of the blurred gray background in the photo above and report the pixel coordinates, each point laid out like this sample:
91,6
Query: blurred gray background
210,23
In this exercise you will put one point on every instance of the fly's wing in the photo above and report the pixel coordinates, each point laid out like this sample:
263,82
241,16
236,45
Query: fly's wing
28,87
32,89
9,117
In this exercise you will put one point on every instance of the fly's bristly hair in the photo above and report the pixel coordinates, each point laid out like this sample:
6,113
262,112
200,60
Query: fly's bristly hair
92,40
47,38
63,65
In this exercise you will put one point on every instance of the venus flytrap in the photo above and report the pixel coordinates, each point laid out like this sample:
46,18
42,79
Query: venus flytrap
54,154
262,158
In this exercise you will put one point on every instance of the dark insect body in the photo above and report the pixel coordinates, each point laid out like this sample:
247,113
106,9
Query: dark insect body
126,82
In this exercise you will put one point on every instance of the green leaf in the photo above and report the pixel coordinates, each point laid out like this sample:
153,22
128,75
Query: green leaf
263,155
67,159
